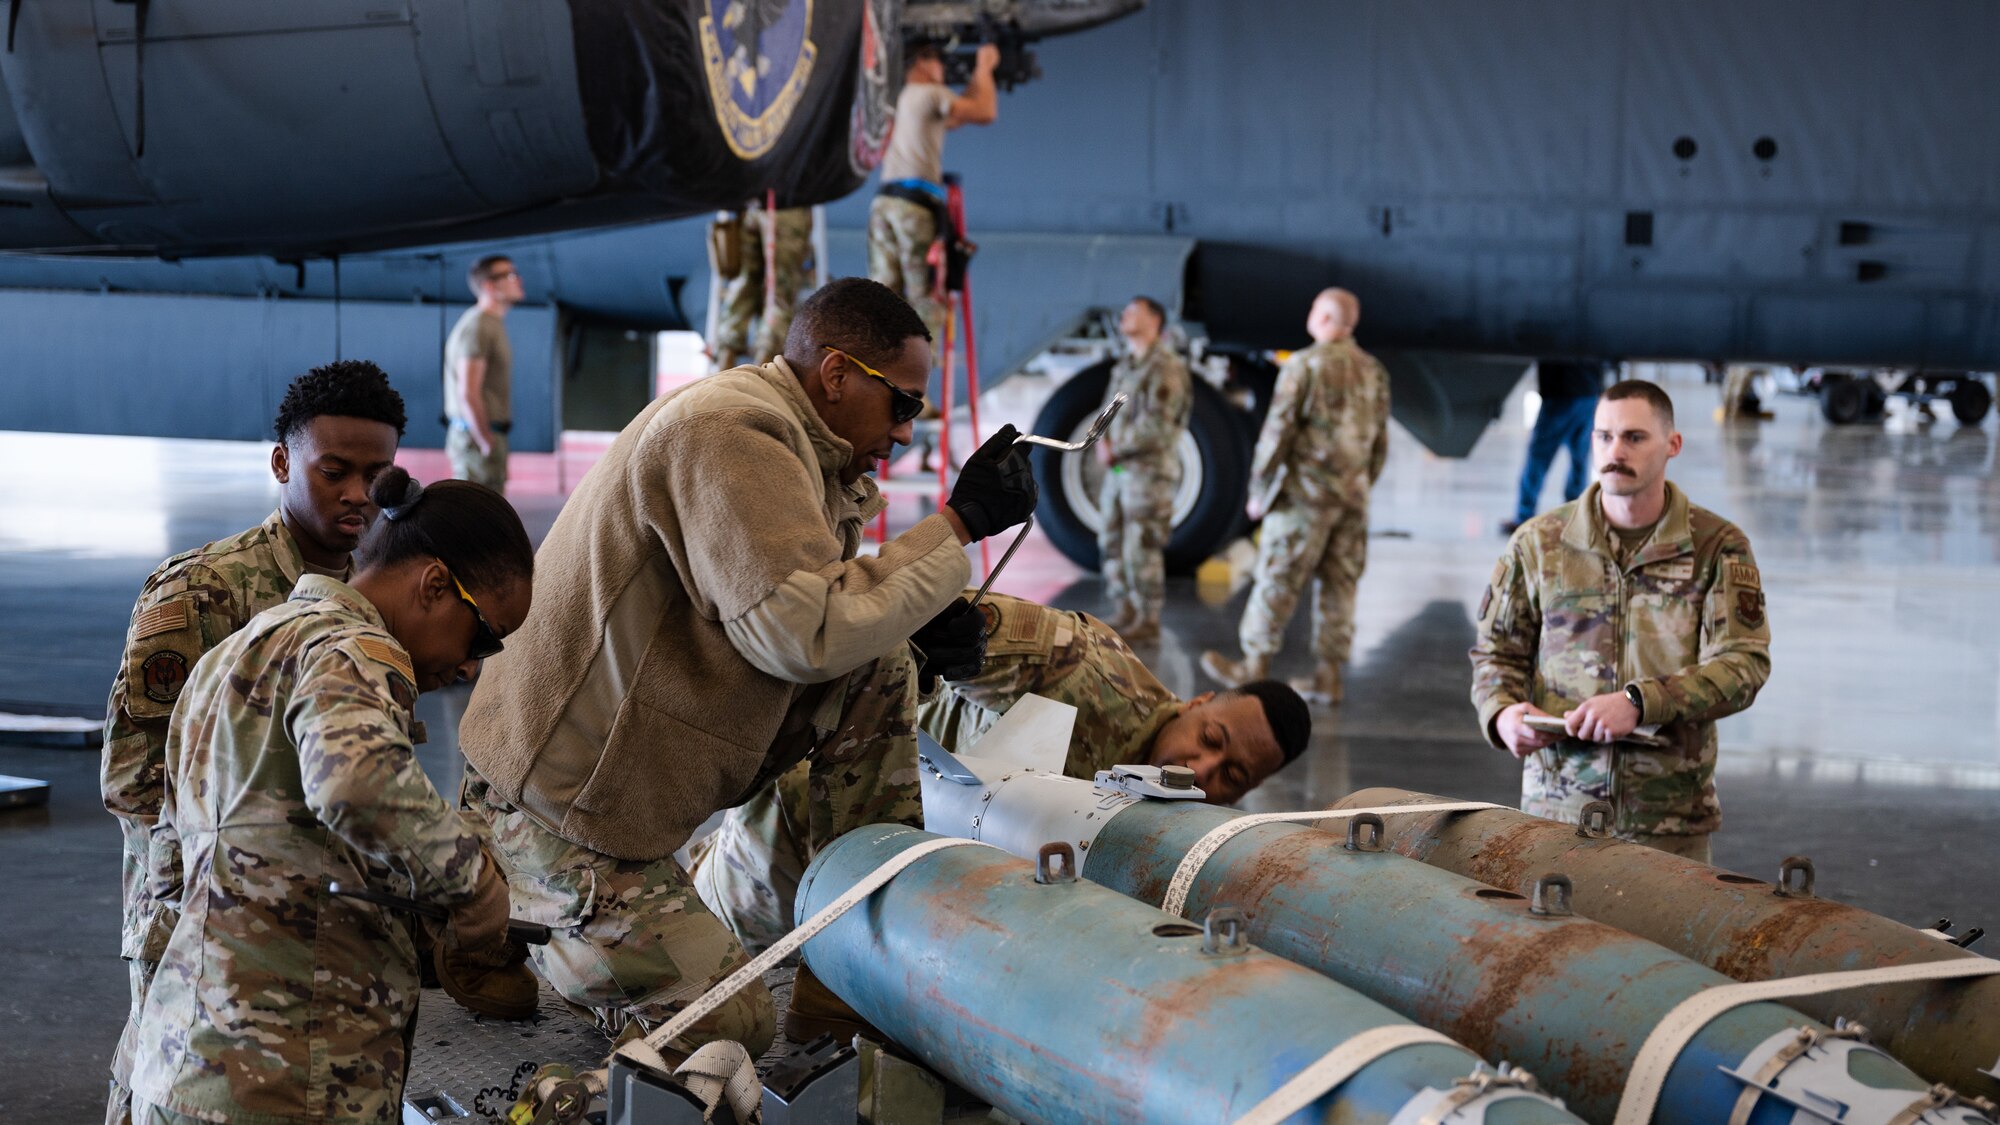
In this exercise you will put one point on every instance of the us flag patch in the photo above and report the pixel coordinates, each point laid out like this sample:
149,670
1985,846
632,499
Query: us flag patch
164,618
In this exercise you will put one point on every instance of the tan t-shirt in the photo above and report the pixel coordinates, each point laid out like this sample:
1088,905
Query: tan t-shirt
1628,540
485,337
916,144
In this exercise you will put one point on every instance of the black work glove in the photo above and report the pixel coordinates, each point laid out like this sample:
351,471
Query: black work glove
996,488
952,645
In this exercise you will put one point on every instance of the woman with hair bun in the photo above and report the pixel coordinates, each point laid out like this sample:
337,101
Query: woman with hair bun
291,767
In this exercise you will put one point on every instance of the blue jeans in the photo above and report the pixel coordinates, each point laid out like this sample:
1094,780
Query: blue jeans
1562,423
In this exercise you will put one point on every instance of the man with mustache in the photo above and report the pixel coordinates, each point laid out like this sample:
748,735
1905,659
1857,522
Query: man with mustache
1637,618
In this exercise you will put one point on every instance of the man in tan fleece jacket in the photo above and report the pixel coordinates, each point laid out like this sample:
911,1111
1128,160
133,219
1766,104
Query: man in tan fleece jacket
703,625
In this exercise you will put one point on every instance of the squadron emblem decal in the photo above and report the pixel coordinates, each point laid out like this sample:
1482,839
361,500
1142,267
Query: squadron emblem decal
758,59
1750,608
874,94
163,675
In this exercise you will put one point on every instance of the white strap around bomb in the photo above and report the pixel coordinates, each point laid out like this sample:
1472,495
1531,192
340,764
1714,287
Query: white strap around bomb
1191,864
646,1052
1673,1033
1336,1067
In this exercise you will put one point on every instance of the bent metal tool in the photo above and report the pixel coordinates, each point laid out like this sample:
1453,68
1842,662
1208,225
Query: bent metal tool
1089,439
527,933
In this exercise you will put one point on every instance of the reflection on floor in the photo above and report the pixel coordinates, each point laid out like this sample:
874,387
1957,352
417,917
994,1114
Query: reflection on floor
1875,749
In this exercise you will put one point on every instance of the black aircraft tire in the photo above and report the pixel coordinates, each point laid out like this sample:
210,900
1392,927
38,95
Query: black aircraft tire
1970,400
1843,401
1209,508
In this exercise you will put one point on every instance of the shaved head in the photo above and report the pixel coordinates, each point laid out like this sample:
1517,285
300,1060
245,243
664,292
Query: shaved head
1335,313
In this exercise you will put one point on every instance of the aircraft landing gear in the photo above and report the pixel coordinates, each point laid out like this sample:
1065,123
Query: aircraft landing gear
1848,397
1215,474
1970,400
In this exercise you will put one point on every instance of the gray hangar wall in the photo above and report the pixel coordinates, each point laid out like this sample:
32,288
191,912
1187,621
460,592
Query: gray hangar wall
216,367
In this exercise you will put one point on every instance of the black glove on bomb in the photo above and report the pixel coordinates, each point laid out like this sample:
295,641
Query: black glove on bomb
953,644
996,488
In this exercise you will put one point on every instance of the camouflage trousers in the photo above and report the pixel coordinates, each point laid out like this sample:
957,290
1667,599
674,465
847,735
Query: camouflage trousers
1300,545
1654,793
864,773
1687,847
147,925
900,237
747,297
630,942
1557,785
1737,381
118,1108
146,1113
1136,503
467,463
633,943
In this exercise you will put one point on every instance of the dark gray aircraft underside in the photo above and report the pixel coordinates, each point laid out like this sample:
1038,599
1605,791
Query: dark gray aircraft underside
1790,181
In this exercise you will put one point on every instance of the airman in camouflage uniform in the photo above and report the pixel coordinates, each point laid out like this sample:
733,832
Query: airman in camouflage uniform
1578,616
1073,658
337,426
865,772
638,944
1141,451
902,244
189,605
747,296
1323,445
291,766
748,870
907,220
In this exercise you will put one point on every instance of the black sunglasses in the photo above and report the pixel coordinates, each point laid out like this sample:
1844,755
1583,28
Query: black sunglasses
904,406
485,642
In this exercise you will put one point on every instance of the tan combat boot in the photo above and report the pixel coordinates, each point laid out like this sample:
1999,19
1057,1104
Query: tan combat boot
1235,673
1323,686
1141,630
1122,620
816,1011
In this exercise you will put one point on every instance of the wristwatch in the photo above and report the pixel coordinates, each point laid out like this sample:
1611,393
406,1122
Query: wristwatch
1638,699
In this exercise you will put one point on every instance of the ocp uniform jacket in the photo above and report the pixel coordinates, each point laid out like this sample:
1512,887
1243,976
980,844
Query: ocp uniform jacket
1562,620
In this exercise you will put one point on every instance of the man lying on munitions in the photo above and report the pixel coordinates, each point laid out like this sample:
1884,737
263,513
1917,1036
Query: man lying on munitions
748,870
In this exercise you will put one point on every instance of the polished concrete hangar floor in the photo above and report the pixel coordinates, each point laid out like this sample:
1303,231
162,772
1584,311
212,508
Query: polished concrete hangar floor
1875,749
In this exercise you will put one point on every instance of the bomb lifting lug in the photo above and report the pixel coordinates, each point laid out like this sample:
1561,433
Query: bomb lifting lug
1469,1099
